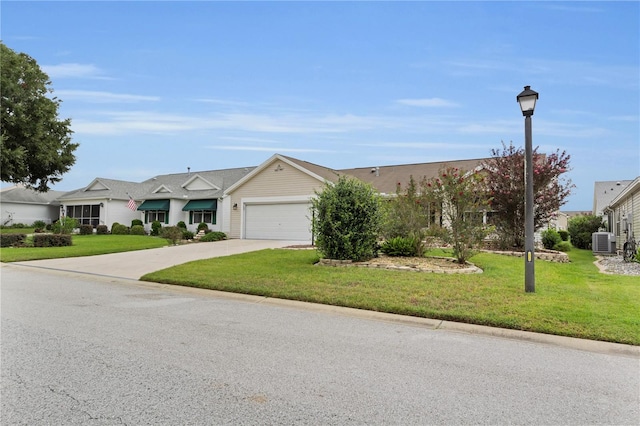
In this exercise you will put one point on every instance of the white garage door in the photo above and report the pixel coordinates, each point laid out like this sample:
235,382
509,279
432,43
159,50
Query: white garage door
290,221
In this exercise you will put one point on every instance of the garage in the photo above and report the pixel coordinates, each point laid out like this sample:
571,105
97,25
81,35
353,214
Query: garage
282,221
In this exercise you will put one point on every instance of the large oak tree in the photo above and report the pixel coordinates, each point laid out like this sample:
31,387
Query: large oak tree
35,145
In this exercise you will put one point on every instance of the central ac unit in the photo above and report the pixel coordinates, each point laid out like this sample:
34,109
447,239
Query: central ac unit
603,242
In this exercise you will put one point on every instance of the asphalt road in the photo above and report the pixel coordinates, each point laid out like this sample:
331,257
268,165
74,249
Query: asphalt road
78,349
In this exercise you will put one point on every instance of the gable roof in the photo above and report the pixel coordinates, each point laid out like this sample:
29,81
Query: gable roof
386,178
315,171
605,192
631,188
21,195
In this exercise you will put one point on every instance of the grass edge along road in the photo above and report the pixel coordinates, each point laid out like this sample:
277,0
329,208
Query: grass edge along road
571,299
83,245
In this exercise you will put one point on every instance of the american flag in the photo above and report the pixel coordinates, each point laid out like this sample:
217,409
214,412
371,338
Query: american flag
132,204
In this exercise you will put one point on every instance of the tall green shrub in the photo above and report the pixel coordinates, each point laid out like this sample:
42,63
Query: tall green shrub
65,225
155,227
550,237
581,227
346,220
135,222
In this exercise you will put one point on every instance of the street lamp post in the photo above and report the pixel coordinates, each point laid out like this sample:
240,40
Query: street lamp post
527,100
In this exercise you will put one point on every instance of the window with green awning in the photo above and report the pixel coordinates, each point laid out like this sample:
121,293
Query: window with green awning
154,205
196,205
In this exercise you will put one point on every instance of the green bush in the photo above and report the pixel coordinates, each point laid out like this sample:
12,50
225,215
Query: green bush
213,236
203,227
181,224
580,229
346,220
135,222
65,225
171,233
119,229
18,225
403,246
550,237
102,230
86,230
186,235
39,225
138,230
155,227
564,246
12,240
51,240
564,235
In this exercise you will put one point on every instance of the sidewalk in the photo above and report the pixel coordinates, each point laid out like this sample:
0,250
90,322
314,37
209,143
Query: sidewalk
134,264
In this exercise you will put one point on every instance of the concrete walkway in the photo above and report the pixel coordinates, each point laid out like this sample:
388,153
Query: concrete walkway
134,264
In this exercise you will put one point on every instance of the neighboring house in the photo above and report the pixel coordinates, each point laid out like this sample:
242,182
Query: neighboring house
604,192
21,205
623,212
192,197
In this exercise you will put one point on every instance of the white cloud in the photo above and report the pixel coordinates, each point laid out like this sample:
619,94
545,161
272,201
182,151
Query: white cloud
264,149
427,102
74,70
103,97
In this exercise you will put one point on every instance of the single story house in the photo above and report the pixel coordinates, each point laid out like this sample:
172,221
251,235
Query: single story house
22,205
191,197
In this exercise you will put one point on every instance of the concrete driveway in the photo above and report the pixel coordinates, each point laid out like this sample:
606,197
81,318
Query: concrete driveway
134,264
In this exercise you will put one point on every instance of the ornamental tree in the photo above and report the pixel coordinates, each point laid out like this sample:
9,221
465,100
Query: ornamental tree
463,204
504,183
35,146
346,220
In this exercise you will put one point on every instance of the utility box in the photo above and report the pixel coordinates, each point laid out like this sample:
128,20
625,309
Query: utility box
603,243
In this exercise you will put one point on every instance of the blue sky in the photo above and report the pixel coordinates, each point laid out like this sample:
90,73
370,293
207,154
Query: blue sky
156,87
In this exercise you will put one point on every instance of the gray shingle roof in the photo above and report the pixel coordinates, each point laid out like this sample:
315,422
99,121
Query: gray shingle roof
20,194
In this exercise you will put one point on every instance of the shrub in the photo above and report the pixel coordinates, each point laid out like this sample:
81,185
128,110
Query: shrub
12,240
86,230
563,246
172,233
403,246
213,236
187,235
119,229
51,240
203,227
138,230
135,222
346,220
581,228
102,230
18,225
48,227
181,224
39,225
564,235
550,237
155,227
65,225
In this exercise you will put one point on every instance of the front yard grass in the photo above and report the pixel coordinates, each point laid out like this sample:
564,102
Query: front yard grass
572,299
83,245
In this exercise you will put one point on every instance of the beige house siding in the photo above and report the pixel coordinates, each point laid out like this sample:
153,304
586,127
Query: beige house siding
625,205
278,182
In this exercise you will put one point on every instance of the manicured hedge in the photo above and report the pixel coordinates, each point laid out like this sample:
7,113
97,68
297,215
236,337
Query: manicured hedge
12,240
52,240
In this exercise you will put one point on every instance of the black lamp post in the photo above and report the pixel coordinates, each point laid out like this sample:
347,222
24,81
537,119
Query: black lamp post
527,100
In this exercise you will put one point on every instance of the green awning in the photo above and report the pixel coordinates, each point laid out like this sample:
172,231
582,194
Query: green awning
201,205
154,205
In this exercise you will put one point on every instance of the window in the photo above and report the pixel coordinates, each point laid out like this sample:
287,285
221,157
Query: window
153,215
86,214
200,216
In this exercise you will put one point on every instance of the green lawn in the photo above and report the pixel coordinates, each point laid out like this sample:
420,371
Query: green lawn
571,299
83,245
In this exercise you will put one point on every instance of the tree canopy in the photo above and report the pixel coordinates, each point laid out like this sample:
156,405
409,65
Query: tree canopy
505,185
35,145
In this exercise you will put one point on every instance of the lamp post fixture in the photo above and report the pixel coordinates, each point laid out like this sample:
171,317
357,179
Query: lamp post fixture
527,100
